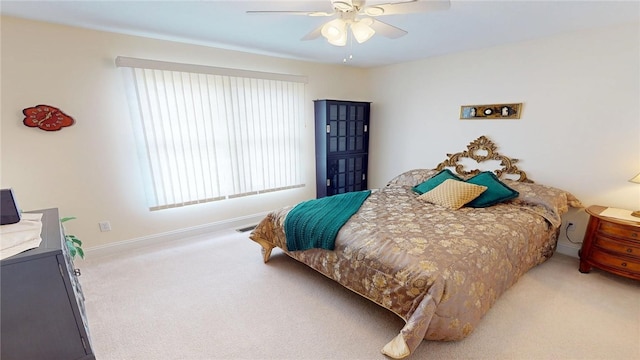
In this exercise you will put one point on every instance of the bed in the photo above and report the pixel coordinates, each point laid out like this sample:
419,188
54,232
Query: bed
438,267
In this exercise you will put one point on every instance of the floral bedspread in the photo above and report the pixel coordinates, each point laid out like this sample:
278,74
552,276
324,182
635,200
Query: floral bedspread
438,269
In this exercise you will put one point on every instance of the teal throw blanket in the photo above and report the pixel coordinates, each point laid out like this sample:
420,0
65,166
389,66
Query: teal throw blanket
315,223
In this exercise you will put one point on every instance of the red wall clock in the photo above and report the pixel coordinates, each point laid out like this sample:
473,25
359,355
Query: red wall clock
46,117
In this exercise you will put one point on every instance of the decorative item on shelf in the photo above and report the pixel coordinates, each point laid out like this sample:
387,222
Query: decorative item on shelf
636,179
73,243
493,111
46,117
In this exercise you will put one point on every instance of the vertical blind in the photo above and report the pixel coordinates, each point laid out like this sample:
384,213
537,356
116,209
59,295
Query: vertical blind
207,134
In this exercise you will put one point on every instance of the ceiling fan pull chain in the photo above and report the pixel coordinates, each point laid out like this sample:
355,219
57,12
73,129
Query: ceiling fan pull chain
350,52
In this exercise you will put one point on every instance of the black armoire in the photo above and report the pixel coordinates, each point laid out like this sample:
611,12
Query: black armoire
342,146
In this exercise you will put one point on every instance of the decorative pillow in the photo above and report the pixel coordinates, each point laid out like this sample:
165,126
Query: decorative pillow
436,180
412,177
497,191
453,193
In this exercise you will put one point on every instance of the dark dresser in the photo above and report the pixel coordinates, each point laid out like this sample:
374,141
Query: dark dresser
43,315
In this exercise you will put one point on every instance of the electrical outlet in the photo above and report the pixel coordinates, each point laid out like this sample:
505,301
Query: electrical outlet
104,226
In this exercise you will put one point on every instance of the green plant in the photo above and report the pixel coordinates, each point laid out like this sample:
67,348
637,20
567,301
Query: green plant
73,243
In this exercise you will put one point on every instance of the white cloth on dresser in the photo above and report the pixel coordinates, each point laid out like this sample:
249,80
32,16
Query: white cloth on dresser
21,236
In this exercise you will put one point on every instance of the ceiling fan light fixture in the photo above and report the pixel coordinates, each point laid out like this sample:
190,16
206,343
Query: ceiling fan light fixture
362,30
335,31
339,41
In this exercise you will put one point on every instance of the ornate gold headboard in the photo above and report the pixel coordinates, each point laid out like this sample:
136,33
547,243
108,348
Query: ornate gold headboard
485,145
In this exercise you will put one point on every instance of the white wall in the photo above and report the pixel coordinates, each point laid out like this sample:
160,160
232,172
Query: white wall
580,124
90,170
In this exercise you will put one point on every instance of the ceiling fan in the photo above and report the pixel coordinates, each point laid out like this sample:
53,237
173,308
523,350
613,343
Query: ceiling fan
361,19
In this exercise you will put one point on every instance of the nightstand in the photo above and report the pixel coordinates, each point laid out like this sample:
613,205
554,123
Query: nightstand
611,244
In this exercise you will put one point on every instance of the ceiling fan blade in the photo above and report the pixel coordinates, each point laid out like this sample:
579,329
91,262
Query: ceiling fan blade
305,13
313,34
305,8
387,30
407,7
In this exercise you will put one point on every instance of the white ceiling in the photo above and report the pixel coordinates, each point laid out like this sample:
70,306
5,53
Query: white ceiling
465,26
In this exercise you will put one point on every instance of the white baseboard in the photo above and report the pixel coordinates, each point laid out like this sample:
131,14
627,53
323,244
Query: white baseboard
568,249
225,225
127,245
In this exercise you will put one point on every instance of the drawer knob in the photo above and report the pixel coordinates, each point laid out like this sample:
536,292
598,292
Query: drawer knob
624,264
635,235
629,251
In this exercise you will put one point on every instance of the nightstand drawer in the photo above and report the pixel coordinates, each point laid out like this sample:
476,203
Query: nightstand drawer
619,263
619,247
619,230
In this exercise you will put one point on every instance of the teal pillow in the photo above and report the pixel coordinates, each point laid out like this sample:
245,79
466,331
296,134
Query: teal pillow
435,180
496,192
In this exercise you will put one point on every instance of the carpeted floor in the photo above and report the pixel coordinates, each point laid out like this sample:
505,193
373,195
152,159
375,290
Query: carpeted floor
213,298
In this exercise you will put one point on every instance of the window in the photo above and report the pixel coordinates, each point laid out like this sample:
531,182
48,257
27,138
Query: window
207,134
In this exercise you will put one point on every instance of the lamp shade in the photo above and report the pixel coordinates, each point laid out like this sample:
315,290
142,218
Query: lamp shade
362,30
636,179
335,31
